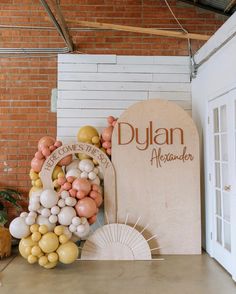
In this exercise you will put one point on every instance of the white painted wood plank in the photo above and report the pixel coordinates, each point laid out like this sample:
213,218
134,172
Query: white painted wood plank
143,68
129,77
171,78
78,122
124,86
86,58
71,133
94,104
101,95
86,113
75,67
170,95
178,60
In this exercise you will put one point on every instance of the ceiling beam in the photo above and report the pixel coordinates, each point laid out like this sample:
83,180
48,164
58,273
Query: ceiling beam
140,30
231,5
207,7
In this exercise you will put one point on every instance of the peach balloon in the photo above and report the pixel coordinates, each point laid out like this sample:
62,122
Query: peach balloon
45,142
92,219
65,161
58,144
96,197
46,152
107,133
86,207
66,186
72,192
110,119
82,184
80,194
39,155
37,164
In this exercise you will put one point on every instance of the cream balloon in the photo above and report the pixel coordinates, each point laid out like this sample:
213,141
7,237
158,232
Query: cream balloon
82,231
65,216
74,172
24,244
41,220
49,198
19,229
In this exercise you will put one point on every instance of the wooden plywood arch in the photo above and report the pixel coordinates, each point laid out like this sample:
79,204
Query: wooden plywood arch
155,152
100,157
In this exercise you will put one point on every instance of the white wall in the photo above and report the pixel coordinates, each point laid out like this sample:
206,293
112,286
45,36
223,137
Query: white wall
214,77
92,87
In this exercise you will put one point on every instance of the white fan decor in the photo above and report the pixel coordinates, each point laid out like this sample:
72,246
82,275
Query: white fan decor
117,242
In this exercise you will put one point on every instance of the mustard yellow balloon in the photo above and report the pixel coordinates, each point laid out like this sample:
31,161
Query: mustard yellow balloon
38,183
36,236
25,246
59,230
53,257
49,242
34,228
36,251
63,239
43,229
43,260
68,252
56,171
86,133
50,265
32,259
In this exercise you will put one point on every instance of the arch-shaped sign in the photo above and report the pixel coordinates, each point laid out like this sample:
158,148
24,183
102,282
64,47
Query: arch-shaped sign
100,157
155,152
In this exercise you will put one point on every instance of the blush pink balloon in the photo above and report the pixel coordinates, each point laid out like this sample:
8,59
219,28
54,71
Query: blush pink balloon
86,207
95,187
92,219
109,151
72,192
110,119
107,133
37,164
52,148
65,161
70,179
83,185
66,186
80,194
46,152
58,144
39,155
114,123
45,142
106,144
96,197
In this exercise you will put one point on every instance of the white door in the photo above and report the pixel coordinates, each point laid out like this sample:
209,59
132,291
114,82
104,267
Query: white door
222,138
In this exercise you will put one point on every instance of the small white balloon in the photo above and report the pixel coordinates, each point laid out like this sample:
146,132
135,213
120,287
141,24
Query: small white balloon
34,206
29,220
100,172
84,220
40,209
70,201
73,164
95,181
64,194
41,220
65,216
49,198
46,212
84,175
76,221
92,176
95,170
19,229
33,214
61,203
72,228
82,231
24,214
55,210
53,219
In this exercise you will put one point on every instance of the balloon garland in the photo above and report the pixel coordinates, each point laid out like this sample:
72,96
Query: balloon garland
61,215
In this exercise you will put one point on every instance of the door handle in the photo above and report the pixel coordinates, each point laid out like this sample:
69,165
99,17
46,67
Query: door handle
227,187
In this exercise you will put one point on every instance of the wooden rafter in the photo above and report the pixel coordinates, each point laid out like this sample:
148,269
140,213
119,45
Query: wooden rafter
150,31
231,4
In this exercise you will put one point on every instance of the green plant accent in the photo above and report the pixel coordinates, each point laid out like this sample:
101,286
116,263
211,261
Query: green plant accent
11,196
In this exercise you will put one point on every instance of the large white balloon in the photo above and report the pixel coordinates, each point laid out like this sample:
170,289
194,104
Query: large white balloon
41,220
74,172
49,198
19,229
65,216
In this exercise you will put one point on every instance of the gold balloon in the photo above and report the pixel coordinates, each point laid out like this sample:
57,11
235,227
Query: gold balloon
57,170
43,229
59,230
36,236
86,134
50,265
68,252
34,228
32,259
43,260
49,242
53,257
24,245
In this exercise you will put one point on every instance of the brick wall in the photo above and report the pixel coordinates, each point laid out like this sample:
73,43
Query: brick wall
26,82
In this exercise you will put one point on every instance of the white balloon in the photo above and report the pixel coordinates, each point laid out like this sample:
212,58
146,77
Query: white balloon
82,231
46,212
95,181
65,216
70,201
49,198
92,176
76,221
33,214
100,172
61,203
64,194
29,220
19,229
34,206
52,219
73,164
35,195
24,214
72,228
41,220
86,165
74,172
95,170
84,220
55,210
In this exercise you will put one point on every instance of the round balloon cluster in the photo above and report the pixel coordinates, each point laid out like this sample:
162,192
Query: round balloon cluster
107,134
48,248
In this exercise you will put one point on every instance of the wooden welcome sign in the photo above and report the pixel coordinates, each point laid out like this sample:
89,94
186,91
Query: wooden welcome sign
155,152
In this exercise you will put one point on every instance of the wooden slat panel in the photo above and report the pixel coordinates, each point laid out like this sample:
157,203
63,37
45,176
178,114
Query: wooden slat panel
74,67
86,113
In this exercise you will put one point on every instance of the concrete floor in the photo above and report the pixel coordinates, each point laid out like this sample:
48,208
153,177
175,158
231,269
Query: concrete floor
176,274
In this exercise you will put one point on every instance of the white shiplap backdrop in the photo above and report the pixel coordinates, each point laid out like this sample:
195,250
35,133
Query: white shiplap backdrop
92,87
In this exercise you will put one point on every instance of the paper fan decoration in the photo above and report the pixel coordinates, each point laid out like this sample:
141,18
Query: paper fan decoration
116,242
